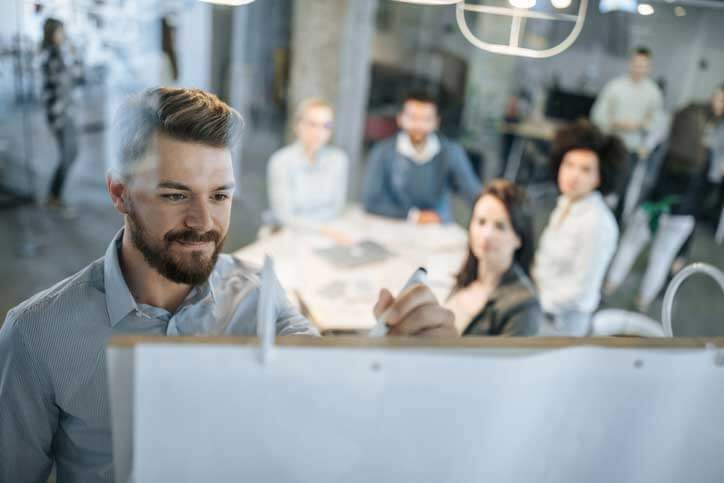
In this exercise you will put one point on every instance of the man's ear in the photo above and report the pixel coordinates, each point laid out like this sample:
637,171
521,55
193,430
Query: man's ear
118,192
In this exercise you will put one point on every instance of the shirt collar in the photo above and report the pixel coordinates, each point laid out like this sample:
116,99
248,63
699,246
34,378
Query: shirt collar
513,279
405,147
202,292
318,157
589,199
119,300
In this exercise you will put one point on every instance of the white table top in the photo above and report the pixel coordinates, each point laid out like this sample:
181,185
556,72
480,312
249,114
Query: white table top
343,298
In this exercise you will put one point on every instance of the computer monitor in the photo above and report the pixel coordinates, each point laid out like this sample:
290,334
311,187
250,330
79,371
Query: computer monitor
567,105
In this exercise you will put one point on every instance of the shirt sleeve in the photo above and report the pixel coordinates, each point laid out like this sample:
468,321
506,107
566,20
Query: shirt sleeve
601,110
590,262
524,322
28,415
340,199
337,200
375,196
280,199
289,320
462,177
655,109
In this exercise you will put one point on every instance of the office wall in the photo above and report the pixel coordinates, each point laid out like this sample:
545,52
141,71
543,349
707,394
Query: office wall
678,43
599,54
194,39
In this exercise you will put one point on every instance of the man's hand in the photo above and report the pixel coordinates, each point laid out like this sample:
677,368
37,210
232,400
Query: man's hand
338,236
627,126
416,312
428,217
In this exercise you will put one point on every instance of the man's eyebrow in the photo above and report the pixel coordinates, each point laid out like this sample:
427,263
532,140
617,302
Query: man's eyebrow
225,187
173,185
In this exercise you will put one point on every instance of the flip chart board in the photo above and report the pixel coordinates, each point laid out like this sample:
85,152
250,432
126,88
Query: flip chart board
321,413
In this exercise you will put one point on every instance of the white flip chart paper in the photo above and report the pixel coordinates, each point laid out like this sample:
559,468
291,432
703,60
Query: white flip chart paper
215,413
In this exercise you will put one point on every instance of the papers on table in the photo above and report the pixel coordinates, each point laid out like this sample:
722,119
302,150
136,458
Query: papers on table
341,297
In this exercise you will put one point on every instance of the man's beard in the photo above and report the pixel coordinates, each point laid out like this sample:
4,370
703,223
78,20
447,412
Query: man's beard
193,272
418,139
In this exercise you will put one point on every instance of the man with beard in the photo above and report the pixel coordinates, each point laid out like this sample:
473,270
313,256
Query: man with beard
162,274
411,174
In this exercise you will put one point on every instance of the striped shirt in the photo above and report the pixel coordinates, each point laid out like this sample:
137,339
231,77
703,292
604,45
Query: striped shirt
60,73
53,386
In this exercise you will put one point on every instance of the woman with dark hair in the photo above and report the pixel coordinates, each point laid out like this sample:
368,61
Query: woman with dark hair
60,75
693,155
493,294
581,236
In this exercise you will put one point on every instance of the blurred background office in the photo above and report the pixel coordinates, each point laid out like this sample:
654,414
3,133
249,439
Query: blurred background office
363,56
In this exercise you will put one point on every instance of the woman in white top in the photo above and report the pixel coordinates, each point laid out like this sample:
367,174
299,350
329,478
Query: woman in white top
581,236
307,180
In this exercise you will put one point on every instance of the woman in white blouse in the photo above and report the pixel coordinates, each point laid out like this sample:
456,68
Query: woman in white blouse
307,180
581,236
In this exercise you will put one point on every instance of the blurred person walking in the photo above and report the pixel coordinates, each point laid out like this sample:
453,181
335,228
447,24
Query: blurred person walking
60,73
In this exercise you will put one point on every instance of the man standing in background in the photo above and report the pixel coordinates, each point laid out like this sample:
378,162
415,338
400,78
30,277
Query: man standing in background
628,106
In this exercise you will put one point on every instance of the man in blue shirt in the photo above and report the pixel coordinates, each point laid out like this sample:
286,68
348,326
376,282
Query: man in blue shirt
411,174
162,274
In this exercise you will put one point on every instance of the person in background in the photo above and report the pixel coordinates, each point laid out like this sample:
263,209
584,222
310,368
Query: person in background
714,140
577,244
493,294
60,73
695,151
628,107
694,154
307,180
411,174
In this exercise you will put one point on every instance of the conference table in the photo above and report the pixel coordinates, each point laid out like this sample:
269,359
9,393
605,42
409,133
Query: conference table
338,296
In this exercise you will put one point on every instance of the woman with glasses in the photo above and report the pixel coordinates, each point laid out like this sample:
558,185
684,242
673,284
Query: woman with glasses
307,180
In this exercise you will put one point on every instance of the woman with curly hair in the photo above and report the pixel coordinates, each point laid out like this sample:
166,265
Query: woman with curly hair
581,236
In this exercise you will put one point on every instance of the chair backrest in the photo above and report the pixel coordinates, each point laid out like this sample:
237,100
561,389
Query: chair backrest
617,322
687,153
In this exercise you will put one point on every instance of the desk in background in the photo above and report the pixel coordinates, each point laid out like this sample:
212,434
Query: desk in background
342,299
524,133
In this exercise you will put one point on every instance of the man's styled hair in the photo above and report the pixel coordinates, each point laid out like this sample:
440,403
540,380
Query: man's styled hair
190,115
642,50
609,150
419,95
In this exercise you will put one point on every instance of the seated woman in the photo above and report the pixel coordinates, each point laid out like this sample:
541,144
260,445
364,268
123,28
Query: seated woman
307,180
493,294
580,239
